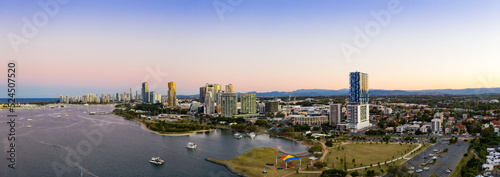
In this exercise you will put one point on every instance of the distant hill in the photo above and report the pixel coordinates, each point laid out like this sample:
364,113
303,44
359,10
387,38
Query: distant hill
325,92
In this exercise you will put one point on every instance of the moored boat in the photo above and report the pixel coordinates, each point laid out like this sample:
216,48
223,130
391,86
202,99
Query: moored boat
157,161
191,145
238,136
251,134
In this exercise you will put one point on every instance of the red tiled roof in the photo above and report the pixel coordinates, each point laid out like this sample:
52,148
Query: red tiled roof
494,122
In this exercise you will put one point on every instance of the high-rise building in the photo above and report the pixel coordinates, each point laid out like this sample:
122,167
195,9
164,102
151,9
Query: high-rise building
217,88
172,98
218,97
145,94
436,125
335,113
152,97
229,104
230,88
358,109
209,104
248,105
358,92
130,96
158,98
272,107
61,99
203,92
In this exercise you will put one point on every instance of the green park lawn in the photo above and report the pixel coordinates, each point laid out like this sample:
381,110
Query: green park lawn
253,162
365,154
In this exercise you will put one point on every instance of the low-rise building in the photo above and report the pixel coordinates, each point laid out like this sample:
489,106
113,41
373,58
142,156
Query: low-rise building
402,128
448,129
309,120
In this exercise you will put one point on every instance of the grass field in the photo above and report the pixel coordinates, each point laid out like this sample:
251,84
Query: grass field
365,154
253,162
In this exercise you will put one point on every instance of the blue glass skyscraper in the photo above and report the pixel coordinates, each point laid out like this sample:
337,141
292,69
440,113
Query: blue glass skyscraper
358,92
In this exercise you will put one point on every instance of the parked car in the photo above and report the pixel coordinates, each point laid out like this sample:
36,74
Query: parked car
426,168
418,170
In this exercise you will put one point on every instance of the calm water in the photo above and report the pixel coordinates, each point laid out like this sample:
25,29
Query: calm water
124,149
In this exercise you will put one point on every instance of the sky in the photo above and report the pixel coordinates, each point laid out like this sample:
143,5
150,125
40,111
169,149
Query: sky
75,47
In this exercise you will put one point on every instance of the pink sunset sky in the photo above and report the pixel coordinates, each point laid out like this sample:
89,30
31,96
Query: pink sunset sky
104,47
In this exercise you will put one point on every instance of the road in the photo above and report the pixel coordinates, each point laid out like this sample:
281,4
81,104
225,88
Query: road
448,160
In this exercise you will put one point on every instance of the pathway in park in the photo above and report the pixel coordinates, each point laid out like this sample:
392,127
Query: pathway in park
393,160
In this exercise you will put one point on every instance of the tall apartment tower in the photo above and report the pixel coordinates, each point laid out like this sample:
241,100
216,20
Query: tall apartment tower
358,109
172,98
145,92
229,103
335,114
248,105
203,91
230,88
209,100
130,98
152,97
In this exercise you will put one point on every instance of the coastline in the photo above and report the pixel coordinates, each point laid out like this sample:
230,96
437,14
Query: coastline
143,126
226,166
174,134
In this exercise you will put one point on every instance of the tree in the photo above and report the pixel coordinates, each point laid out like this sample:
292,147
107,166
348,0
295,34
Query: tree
333,173
370,173
329,143
354,174
320,165
261,122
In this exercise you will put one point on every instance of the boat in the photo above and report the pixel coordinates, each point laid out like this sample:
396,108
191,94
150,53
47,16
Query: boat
29,118
251,134
191,145
29,126
238,136
59,116
157,161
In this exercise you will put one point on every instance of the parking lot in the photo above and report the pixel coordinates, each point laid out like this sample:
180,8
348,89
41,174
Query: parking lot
448,160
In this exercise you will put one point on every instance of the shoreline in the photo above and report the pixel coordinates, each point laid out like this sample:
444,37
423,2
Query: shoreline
226,166
143,126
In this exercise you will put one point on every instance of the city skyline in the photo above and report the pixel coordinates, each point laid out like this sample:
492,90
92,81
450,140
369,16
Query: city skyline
265,46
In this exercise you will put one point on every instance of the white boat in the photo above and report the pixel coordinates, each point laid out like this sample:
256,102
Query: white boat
251,135
157,161
29,126
29,118
59,116
191,145
238,136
